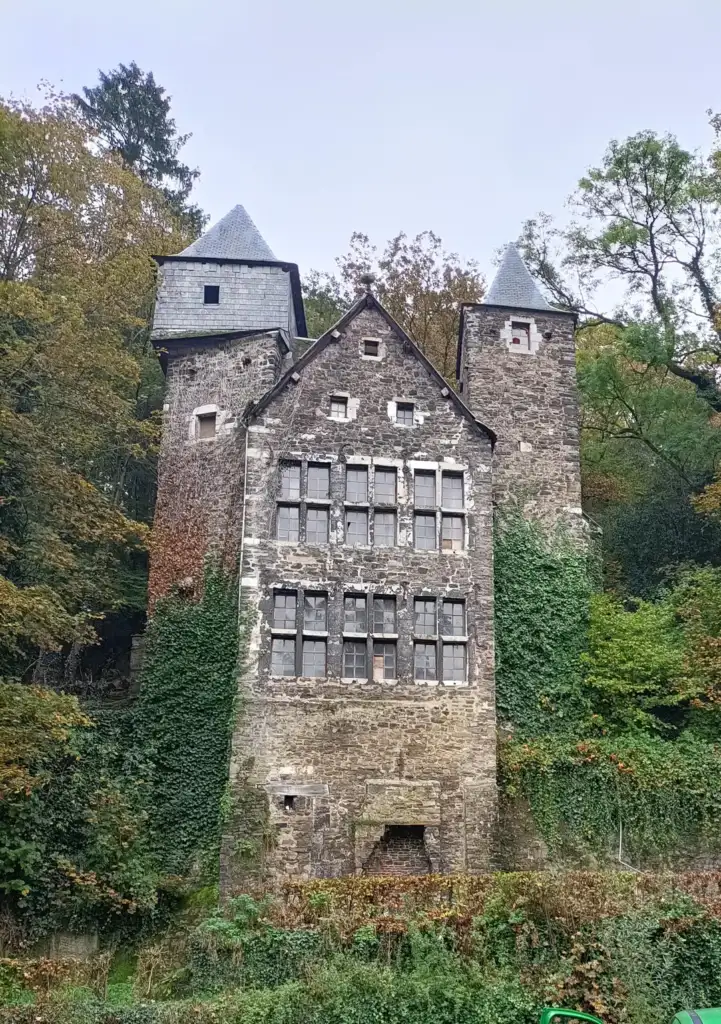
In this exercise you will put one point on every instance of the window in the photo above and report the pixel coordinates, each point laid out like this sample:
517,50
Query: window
404,414
453,618
384,662
211,294
424,489
289,802
355,615
316,526
282,658
355,657
206,425
424,530
521,335
452,533
315,611
356,527
452,490
318,481
290,480
314,658
284,605
356,483
370,347
424,661
424,616
339,408
384,615
454,663
385,487
384,529
287,522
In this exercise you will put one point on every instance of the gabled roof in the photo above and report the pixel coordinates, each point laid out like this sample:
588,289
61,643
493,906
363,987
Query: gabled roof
366,301
235,237
513,284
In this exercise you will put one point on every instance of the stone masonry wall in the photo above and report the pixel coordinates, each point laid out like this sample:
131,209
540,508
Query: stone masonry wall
530,400
251,298
336,761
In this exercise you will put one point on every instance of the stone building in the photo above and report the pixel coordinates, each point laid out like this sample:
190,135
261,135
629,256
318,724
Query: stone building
353,489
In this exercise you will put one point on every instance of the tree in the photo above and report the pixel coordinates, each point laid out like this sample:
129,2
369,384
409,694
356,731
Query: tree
131,115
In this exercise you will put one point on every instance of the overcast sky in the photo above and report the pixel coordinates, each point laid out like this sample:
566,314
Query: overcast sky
323,117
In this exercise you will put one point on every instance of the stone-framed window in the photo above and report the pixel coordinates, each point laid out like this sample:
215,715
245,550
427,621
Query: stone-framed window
454,663
316,525
384,615
211,294
315,611
287,523
440,643
424,488
356,526
453,530
424,531
453,618
355,659
385,485
425,662
384,661
404,414
338,407
372,348
355,613
318,480
384,529
452,495
424,616
356,483
207,425
284,609
299,642
521,336
314,659
282,658
290,481
303,507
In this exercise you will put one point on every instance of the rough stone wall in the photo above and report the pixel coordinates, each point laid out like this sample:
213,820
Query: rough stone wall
250,298
530,400
200,481
355,757
400,851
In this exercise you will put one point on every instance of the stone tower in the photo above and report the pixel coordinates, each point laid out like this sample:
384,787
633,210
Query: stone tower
517,370
226,314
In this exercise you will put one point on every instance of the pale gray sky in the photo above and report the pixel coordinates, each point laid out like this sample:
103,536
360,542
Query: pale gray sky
323,117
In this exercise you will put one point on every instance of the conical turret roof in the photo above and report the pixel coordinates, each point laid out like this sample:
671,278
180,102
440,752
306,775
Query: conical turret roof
513,284
235,237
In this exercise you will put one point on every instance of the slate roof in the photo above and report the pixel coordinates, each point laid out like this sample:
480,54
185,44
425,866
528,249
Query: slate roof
235,237
513,284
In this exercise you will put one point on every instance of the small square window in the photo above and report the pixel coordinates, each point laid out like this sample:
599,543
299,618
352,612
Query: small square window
284,605
424,531
452,533
384,662
404,414
287,524
453,618
356,483
356,527
452,490
384,490
314,658
211,294
384,529
355,660
454,663
424,489
315,611
521,336
355,614
206,425
424,616
339,408
371,347
384,615
424,661
282,658
316,526
290,480
318,480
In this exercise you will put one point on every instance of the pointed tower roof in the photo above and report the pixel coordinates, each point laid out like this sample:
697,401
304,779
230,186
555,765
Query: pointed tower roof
235,237
513,284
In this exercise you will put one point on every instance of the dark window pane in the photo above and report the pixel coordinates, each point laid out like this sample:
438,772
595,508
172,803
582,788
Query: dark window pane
355,656
338,408
356,483
287,523
211,294
452,533
424,528
384,529
318,481
355,613
290,480
404,414
424,661
282,660
316,526
385,487
425,489
424,616
384,614
314,658
384,662
315,611
454,618
452,490
284,611
454,663
206,425
356,527
370,347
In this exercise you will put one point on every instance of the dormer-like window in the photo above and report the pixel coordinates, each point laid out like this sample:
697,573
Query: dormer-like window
371,347
404,414
338,408
521,336
211,294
